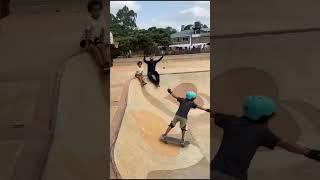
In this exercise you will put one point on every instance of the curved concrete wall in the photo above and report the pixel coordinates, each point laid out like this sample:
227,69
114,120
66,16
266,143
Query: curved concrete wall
79,147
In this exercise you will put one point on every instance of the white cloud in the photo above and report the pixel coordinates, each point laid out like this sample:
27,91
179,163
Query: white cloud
116,5
201,9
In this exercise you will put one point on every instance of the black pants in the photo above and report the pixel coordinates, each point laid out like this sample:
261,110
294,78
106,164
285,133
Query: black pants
156,79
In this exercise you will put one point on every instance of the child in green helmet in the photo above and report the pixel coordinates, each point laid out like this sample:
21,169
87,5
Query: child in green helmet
242,137
181,115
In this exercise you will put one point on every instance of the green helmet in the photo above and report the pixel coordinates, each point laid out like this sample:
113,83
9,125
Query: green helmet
257,106
191,95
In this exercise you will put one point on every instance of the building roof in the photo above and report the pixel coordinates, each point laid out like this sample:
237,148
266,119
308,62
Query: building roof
189,32
205,29
182,33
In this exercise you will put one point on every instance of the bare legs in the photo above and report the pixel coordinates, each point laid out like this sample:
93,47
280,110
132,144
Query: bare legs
103,51
167,131
183,132
141,79
100,54
94,51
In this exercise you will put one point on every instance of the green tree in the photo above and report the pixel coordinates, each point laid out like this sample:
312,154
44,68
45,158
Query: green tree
127,18
161,36
171,30
124,29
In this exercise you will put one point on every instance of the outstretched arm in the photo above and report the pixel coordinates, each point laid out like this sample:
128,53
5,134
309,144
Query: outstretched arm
202,108
144,59
173,95
298,149
159,59
294,148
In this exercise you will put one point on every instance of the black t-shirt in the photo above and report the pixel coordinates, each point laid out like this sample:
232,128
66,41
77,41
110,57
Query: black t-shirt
151,64
241,140
185,106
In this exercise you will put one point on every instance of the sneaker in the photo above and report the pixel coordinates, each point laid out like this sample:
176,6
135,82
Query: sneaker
163,137
182,143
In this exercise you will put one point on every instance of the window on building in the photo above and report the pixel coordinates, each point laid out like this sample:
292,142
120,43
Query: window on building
185,39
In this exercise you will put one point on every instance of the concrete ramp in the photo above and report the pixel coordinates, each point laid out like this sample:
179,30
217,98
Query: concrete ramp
52,122
79,147
138,152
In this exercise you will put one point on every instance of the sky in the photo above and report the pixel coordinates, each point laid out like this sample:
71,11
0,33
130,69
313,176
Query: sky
166,13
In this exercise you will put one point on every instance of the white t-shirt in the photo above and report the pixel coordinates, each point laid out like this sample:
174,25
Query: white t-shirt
139,70
95,27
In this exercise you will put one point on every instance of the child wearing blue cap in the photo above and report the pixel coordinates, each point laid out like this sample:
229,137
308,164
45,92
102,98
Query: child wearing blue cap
181,115
243,135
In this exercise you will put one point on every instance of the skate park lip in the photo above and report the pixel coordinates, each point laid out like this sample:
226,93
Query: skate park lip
125,95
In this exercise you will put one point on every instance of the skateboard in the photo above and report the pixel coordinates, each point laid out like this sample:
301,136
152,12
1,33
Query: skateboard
173,140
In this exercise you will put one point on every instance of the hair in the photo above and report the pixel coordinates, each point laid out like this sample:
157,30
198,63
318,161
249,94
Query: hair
92,3
191,99
139,62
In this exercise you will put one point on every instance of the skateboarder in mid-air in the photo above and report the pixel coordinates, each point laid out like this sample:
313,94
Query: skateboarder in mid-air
153,75
242,137
181,115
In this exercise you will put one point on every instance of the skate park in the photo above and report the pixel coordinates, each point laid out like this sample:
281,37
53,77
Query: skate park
146,113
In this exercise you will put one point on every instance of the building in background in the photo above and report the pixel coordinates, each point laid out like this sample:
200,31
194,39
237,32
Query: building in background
191,36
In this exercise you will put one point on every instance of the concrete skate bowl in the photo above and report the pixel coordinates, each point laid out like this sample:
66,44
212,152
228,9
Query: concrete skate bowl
296,121
138,152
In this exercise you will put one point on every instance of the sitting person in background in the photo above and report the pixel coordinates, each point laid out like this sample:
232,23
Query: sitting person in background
139,73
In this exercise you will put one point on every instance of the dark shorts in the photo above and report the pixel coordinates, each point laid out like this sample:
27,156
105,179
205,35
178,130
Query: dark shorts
86,43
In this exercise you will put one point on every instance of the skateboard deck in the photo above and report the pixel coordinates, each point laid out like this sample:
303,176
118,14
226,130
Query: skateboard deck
173,140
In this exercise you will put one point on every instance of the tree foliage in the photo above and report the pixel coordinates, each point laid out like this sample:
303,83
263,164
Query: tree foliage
125,31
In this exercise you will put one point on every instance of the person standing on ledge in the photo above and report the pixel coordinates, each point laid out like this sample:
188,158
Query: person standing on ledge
153,75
